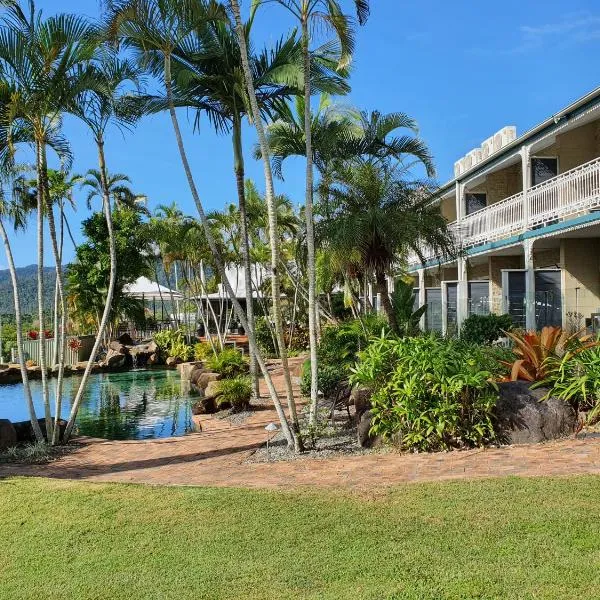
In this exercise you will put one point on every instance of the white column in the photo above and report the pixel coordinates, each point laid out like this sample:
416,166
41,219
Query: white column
460,201
422,299
529,286
526,172
444,289
462,293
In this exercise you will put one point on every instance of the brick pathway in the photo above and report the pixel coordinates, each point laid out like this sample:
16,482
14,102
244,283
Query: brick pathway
216,457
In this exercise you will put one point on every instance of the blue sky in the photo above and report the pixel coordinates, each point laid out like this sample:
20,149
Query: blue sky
462,69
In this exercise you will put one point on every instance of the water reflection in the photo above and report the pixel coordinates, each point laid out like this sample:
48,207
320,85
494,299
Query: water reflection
118,406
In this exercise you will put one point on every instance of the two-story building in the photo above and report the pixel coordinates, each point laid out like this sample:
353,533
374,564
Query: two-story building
525,211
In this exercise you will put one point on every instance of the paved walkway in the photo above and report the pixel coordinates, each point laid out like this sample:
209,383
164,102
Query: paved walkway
217,457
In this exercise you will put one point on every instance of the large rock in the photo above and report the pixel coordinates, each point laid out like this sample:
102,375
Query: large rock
361,398
116,346
8,434
204,406
203,378
173,361
125,339
213,389
24,430
523,418
115,360
365,438
11,374
186,369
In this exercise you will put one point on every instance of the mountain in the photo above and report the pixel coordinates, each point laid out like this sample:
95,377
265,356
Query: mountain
27,279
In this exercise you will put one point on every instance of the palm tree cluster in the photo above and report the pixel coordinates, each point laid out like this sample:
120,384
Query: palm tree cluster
200,55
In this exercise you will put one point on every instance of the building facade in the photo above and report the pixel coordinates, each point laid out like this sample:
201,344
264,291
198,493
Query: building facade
525,213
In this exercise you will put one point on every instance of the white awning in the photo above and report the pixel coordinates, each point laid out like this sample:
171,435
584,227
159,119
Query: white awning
148,290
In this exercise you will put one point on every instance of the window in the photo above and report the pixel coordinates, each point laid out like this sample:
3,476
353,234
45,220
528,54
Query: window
543,169
475,201
479,301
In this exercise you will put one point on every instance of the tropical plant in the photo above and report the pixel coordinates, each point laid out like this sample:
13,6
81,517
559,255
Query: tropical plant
14,212
153,29
228,363
485,329
403,305
203,350
376,218
172,344
576,379
537,352
43,63
429,393
115,185
236,392
312,15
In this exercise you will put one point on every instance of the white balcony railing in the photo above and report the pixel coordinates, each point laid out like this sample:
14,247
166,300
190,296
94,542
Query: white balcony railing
563,197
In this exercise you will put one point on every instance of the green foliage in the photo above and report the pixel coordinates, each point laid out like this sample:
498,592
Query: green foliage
172,344
485,329
229,363
337,351
88,276
236,391
328,377
575,378
202,351
264,337
429,393
403,302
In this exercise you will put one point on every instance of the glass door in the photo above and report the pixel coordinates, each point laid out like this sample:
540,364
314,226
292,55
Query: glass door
513,292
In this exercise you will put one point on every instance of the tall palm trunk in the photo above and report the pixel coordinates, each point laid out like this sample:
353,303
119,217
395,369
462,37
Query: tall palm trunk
310,231
218,261
238,155
40,283
109,294
273,232
61,234
381,287
19,324
61,341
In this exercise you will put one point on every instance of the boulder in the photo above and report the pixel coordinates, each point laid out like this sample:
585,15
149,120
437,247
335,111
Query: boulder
173,361
153,359
361,398
523,418
24,430
12,374
115,360
213,389
125,339
365,438
204,406
186,369
118,347
8,434
202,380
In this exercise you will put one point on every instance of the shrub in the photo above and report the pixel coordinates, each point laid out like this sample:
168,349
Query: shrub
236,391
576,379
485,329
264,337
429,393
172,343
328,378
538,353
203,350
229,363
337,351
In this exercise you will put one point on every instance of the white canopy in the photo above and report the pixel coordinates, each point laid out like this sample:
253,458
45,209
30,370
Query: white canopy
149,290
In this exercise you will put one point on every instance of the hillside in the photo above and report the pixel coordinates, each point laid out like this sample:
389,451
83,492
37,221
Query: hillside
27,277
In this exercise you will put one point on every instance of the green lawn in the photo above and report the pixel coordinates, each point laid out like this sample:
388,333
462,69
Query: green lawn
508,538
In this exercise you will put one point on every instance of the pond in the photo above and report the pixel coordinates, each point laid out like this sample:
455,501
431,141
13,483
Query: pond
138,404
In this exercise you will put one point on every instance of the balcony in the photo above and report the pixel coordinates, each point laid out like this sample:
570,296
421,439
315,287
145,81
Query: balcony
561,198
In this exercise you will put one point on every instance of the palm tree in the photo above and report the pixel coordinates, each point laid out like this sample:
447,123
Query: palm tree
311,14
42,60
98,107
13,210
270,200
209,78
153,29
377,217
117,187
